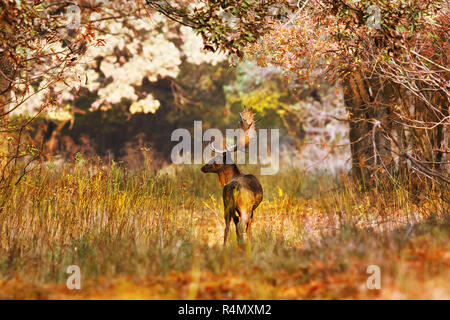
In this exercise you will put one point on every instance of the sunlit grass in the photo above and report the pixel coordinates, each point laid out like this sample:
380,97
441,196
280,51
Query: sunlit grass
137,234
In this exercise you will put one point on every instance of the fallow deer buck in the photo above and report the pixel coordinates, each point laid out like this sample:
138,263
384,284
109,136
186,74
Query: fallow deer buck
242,193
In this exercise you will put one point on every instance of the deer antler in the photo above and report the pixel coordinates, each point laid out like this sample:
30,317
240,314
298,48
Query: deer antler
228,149
247,124
247,119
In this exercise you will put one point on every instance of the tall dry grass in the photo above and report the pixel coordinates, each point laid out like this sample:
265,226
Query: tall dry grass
140,234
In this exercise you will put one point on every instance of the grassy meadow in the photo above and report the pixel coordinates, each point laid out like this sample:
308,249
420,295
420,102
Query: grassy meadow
137,234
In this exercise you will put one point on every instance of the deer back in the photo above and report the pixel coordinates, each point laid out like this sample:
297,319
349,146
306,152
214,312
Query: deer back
243,193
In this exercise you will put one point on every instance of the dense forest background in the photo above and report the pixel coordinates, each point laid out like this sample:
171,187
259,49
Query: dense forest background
106,79
213,94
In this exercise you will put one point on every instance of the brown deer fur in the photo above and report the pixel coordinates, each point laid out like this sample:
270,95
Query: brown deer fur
242,193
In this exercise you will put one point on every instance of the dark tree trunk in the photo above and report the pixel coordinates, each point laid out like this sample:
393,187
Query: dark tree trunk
367,102
294,127
6,75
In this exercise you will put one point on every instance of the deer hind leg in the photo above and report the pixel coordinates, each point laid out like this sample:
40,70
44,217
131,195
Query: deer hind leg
228,214
249,224
242,223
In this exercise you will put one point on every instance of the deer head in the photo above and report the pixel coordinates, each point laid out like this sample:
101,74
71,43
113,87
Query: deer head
223,159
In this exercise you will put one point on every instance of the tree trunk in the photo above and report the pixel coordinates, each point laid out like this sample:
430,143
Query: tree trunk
294,126
442,138
367,102
6,76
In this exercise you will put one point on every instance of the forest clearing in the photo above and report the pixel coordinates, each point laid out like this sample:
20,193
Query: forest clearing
224,150
140,235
